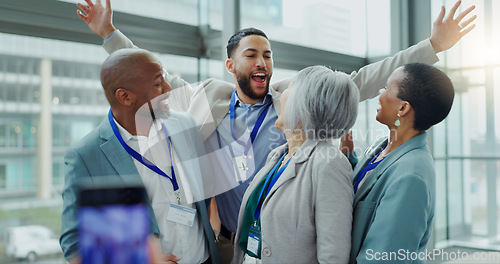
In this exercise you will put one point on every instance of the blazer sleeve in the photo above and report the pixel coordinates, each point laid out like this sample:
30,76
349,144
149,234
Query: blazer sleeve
372,77
333,211
75,168
401,219
181,94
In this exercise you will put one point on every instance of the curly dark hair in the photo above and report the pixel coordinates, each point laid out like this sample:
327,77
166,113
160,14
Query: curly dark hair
429,91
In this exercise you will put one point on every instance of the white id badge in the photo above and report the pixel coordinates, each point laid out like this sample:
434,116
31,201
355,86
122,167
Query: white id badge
240,168
181,214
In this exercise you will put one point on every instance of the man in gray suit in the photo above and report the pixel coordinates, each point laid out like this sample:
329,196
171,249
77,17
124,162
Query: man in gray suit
139,125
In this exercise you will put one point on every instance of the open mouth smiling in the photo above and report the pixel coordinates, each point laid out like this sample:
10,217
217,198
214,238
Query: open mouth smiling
260,77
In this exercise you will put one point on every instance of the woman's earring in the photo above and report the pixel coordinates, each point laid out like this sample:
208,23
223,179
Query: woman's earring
397,123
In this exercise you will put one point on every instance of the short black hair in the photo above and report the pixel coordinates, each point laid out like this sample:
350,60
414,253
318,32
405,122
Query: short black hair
429,91
234,40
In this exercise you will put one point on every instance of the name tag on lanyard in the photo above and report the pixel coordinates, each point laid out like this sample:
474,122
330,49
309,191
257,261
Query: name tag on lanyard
240,165
254,233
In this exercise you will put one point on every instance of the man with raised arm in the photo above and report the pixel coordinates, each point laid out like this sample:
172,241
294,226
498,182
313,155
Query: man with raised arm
239,118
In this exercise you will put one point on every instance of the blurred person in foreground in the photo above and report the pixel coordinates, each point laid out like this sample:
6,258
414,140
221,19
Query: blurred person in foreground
142,140
394,183
298,208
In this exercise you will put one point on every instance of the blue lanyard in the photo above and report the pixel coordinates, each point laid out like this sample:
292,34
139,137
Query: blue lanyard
258,124
366,169
274,179
142,159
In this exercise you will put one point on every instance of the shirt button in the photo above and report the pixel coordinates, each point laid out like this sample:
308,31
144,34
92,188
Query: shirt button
266,252
249,156
249,131
251,108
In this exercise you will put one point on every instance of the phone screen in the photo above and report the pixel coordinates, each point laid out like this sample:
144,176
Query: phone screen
113,225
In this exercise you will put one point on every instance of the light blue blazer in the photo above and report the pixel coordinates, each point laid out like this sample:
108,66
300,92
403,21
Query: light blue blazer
394,207
100,154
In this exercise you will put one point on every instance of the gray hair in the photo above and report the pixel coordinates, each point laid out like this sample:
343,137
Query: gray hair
323,103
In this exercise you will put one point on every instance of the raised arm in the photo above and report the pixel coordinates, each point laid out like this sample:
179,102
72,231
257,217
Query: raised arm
100,21
445,34
97,17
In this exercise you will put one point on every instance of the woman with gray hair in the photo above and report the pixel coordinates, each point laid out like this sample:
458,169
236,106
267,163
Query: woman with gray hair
298,208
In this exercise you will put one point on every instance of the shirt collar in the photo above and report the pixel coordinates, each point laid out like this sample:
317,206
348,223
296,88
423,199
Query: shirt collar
127,136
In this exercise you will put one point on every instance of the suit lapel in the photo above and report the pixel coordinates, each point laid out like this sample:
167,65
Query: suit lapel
201,208
218,111
181,137
300,157
210,105
122,162
372,178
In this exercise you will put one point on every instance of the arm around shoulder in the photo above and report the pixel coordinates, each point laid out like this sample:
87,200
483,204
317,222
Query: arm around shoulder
372,77
401,223
75,168
117,41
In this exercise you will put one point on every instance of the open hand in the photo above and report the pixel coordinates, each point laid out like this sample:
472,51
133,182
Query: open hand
347,143
446,33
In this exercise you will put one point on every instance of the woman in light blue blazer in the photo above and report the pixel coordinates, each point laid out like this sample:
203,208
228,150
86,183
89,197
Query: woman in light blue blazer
298,208
394,183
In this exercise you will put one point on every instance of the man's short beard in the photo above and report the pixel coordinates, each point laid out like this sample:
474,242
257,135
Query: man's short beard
244,83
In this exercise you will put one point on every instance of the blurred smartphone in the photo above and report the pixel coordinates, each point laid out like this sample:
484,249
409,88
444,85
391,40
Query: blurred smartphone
113,225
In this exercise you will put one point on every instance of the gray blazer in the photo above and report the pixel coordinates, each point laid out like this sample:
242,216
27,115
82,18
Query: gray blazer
307,215
394,207
100,154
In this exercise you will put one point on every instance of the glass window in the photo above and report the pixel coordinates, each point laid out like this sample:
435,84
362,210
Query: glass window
182,11
378,28
28,134
332,25
478,198
455,199
496,92
439,140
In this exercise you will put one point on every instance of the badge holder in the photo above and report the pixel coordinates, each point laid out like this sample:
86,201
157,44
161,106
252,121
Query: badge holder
240,168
